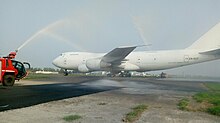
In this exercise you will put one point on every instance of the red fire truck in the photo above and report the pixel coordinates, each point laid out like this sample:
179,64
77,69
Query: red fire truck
11,70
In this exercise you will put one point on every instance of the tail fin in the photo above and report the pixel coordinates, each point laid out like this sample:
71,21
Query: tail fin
209,41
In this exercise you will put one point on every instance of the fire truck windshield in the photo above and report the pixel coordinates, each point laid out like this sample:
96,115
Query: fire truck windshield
20,67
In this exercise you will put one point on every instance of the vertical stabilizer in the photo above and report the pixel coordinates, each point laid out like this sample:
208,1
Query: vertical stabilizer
209,41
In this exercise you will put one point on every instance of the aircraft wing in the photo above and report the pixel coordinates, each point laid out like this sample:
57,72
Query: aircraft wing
118,54
211,52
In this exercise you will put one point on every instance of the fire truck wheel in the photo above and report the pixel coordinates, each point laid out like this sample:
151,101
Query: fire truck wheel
9,80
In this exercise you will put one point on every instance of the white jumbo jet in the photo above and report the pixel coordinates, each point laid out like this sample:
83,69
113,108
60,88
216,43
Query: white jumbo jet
122,59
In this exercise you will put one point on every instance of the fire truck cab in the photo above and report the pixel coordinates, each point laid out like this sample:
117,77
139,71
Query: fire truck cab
11,70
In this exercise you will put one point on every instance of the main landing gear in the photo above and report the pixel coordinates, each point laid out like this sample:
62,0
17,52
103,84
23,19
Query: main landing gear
125,74
121,74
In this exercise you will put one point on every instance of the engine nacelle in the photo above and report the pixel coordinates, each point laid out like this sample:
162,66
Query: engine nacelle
82,68
96,64
129,67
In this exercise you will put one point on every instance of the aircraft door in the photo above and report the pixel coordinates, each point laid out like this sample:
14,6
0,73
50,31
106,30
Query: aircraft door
65,61
186,58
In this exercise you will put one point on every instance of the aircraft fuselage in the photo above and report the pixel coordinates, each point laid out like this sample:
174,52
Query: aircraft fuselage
137,61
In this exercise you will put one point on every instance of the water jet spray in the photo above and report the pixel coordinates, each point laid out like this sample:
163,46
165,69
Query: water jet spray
48,31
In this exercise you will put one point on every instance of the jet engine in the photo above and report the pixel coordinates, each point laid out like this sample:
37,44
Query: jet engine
96,64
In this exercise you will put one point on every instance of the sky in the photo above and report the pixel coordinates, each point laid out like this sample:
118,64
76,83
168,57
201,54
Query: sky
43,29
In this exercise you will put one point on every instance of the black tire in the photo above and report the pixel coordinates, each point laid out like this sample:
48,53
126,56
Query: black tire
65,74
8,80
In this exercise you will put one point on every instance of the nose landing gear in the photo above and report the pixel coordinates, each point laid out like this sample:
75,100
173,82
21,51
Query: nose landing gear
65,73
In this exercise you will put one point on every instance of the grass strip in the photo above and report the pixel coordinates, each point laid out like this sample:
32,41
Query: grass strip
36,76
213,86
71,118
135,113
183,103
212,97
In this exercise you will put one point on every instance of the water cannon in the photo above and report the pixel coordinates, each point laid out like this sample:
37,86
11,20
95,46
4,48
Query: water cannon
12,54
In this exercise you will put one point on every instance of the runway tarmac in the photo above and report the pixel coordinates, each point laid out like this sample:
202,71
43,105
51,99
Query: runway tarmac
27,95
125,91
20,95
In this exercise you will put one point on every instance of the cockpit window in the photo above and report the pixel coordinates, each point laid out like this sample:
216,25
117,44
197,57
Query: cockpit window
72,54
62,54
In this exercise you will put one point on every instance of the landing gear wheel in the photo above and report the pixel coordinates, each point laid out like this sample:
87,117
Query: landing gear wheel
8,80
65,73
125,74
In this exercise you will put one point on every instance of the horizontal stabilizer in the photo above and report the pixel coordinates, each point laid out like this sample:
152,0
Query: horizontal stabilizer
211,52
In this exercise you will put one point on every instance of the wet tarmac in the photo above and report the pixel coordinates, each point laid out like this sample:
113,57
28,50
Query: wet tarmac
21,96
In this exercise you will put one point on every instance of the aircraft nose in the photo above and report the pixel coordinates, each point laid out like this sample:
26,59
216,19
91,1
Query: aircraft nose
56,62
